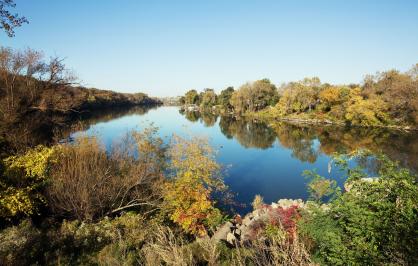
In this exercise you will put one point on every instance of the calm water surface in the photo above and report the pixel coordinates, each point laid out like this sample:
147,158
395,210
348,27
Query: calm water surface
261,159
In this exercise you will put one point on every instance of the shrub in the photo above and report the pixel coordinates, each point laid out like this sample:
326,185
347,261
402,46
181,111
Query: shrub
195,178
257,202
20,244
366,112
320,187
88,183
373,223
24,178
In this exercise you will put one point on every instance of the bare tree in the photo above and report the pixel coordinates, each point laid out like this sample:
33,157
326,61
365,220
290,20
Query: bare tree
25,74
11,67
34,69
9,21
57,73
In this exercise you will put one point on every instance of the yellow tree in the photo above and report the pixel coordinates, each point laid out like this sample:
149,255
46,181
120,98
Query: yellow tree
366,112
195,178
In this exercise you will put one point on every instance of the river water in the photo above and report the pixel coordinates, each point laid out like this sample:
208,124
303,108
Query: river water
258,158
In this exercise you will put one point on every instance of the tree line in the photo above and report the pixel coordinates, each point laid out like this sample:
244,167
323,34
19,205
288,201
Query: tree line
388,98
40,94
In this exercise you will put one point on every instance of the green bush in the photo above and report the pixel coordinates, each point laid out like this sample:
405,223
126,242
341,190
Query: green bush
373,223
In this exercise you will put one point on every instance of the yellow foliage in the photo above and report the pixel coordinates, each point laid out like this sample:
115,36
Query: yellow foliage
33,163
257,202
24,174
366,112
195,177
15,201
330,95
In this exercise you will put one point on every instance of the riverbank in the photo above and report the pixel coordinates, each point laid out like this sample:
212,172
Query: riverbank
46,117
169,218
304,119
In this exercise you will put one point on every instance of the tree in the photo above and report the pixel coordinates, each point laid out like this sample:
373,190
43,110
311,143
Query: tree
330,96
225,97
25,74
299,96
365,112
254,96
240,99
23,181
34,69
398,90
208,99
57,73
12,64
191,97
195,177
9,21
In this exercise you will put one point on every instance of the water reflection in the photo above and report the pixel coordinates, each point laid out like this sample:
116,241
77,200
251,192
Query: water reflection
45,128
261,159
249,134
308,142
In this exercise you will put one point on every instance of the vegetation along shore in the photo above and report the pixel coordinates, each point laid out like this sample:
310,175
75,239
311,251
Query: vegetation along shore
387,99
153,196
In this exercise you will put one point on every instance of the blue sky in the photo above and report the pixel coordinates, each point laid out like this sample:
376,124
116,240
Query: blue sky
164,48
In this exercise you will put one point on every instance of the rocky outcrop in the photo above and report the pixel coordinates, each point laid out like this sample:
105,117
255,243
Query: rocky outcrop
240,230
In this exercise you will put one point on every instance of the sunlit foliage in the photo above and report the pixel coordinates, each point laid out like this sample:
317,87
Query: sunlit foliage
258,202
366,112
23,179
254,96
320,187
374,222
299,96
195,178
191,97
224,98
208,99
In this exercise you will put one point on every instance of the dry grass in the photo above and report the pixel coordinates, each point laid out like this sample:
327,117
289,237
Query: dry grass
272,251
167,249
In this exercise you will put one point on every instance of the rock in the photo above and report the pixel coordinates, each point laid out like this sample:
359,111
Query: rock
256,213
237,232
286,203
231,239
246,221
222,232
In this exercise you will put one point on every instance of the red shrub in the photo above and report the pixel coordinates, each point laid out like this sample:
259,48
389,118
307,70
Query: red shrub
286,218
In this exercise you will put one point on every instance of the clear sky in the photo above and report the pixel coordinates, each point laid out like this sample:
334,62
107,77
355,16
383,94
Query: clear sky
164,48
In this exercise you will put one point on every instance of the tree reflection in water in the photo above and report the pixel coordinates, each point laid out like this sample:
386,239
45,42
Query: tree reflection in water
307,142
45,128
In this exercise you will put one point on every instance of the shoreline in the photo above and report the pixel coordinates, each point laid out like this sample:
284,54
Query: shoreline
293,120
314,121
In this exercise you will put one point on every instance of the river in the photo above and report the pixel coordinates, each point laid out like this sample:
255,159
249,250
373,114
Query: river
258,158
